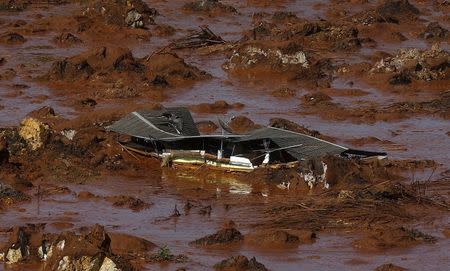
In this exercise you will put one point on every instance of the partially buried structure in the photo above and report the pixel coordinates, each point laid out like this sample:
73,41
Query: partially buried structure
171,135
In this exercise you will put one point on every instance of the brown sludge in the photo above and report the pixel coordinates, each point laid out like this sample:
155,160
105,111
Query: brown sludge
373,75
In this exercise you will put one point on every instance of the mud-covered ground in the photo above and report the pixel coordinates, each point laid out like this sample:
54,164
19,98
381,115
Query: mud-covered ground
371,75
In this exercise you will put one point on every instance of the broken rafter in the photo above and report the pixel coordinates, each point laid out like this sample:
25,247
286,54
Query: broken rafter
203,37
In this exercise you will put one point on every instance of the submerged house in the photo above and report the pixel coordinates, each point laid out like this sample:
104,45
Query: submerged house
171,135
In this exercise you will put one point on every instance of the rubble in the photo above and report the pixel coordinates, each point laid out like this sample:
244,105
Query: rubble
203,37
425,65
251,55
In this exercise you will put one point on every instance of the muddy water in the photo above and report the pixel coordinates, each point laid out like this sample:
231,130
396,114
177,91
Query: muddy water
329,252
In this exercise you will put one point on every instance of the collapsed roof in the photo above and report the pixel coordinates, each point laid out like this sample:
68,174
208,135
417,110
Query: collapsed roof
176,124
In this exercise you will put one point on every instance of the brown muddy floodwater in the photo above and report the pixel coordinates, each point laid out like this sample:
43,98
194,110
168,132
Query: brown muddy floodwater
360,116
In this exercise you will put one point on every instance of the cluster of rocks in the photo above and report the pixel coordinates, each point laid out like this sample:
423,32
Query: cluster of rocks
65,251
407,64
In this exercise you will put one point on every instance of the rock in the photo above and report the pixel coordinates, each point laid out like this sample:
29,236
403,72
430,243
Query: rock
45,251
34,132
240,263
12,38
83,263
223,236
389,267
68,133
14,255
134,19
2,256
108,265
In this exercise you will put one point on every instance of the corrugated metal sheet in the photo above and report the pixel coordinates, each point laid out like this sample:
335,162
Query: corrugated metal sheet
310,146
156,124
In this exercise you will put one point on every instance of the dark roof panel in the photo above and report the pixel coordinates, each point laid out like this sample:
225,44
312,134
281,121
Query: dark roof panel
156,124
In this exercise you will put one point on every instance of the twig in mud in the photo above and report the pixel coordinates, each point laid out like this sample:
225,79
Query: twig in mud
123,147
157,52
309,208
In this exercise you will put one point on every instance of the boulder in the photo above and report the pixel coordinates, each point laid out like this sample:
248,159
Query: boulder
34,132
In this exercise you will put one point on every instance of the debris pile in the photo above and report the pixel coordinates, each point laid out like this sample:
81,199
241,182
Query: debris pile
133,14
68,251
251,55
425,65
203,37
